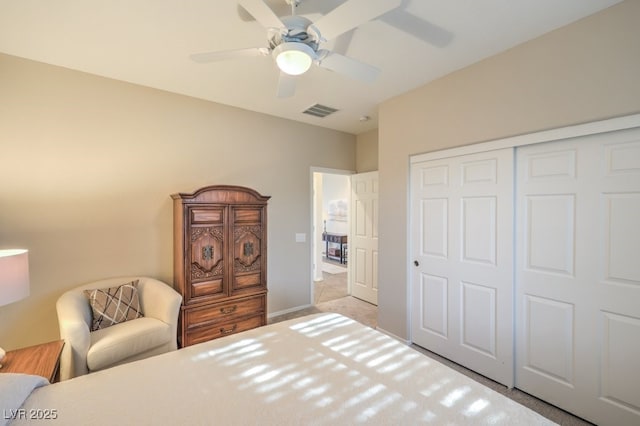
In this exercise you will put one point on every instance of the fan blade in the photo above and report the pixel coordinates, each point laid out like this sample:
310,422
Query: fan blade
279,7
418,27
206,57
342,42
286,85
349,67
263,14
352,14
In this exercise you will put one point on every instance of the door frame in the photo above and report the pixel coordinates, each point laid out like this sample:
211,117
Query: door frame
312,233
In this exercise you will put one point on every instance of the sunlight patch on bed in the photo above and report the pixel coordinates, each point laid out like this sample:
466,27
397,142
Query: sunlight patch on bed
274,397
373,409
266,376
315,391
367,394
322,325
408,406
351,345
428,417
405,360
496,418
306,381
454,396
242,358
282,381
371,352
476,407
379,360
324,402
325,363
434,387
415,369
320,320
336,340
228,349
254,370
345,345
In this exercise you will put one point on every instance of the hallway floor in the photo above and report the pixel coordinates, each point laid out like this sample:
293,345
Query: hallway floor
330,295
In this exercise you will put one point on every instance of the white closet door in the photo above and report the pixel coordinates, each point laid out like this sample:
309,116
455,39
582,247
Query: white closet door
363,241
461,246
578,275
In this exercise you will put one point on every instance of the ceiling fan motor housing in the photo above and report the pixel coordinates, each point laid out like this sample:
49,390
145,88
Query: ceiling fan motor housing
297,30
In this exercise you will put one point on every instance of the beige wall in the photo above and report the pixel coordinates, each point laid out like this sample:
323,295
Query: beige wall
367,151
583,72
87,165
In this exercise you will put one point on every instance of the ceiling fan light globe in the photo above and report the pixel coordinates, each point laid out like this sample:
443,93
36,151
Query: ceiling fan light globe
294,58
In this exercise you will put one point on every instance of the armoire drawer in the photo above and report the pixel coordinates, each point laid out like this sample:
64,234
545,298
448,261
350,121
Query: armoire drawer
205,333
224,311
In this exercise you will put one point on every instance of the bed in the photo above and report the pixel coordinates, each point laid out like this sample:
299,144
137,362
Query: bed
320,369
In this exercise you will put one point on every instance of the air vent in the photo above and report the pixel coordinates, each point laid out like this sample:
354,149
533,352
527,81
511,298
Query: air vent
319,110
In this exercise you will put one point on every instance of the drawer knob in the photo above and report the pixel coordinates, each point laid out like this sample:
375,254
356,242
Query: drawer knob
228,309
229,330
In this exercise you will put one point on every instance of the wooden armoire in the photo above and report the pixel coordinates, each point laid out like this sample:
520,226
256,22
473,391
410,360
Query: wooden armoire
220,261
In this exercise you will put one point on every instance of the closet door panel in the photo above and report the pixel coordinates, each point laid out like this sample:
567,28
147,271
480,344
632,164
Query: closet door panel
548,324
434,227
434,296
478,316
549,244
578,276
462,280
621,338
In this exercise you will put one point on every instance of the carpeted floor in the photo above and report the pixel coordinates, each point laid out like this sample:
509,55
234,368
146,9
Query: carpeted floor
330,295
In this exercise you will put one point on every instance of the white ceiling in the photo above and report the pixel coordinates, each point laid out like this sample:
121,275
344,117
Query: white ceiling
148,42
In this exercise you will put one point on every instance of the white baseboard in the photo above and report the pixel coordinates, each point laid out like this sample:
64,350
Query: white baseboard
388,333
288,311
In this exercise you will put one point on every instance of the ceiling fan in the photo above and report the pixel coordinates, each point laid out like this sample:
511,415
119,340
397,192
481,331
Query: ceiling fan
294,41
400,18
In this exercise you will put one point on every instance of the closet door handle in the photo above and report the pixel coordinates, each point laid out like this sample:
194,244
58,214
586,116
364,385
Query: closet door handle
415,262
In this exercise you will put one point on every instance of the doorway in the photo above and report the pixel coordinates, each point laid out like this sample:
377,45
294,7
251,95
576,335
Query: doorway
330,265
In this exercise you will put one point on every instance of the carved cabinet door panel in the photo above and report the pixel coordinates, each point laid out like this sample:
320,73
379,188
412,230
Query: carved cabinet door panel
249,254
207,252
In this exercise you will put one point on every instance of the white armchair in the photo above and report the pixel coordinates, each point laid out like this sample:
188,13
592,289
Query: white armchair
85,351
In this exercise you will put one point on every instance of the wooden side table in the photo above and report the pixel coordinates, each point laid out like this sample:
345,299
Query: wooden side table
41,360
340,239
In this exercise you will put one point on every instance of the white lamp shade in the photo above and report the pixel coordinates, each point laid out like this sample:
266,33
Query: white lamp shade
294,58
14,275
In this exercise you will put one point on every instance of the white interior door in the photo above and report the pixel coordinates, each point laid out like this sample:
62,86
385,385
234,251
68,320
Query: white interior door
363,238
578,275
462,276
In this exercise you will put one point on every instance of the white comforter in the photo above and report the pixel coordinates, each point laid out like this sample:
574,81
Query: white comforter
14,389
318,370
